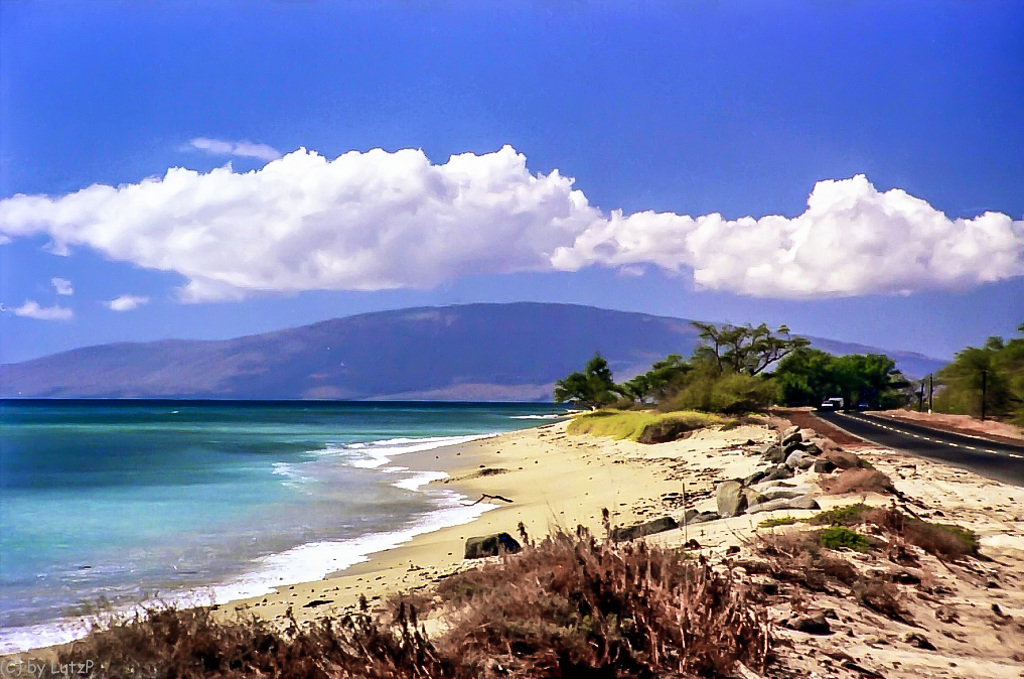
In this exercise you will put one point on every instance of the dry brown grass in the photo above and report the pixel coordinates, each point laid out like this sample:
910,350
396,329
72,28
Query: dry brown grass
569,606
858,481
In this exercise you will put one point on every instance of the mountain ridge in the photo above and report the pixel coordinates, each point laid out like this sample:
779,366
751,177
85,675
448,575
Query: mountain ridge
476,352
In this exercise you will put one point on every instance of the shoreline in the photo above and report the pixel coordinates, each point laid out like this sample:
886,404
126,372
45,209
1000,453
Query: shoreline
555,481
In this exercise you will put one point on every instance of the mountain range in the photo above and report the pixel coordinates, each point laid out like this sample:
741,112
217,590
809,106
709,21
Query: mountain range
472,352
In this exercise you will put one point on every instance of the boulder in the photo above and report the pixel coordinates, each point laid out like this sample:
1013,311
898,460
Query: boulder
812,449
778,472
843,459
774,454
730,498
793,446
806,462
641,529
777,492
754,478
795,437
788,431
753,496
702,517
490,545
824,466
664,431
802,502
814,623
793,459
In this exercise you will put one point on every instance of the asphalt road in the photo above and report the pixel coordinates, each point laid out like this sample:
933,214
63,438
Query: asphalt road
1000,461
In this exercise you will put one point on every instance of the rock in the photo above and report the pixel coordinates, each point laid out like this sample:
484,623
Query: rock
795,437
801,502
704,517
812,624
806,462
753,496
490,545
641,529
664,431
809,434
776,493
843,459
754,478
812,449
793,446
788,431
778,472
774,454
730,498
918,641
824,466
793,459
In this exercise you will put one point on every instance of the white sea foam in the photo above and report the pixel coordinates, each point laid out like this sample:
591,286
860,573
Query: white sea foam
553,416
378,453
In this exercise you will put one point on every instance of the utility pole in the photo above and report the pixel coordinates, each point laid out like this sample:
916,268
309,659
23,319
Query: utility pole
920,398
931,391
984,376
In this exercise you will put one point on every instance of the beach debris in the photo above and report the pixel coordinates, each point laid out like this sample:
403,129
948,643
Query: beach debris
621,534
486,496
317,602
490,545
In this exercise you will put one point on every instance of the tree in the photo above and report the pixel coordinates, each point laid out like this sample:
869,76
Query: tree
810,376
592,388
989,379
744,349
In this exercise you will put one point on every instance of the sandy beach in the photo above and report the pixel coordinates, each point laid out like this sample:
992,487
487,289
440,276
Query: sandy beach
966,621
553,480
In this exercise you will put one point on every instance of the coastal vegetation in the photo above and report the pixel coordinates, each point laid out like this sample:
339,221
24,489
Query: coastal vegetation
985,381
741,369
569,606
634,425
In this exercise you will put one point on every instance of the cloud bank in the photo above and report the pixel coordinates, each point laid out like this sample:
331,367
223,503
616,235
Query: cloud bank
32,309
126,302
380,220
241,149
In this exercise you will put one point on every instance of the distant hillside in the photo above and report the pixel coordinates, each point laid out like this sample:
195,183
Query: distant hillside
473,352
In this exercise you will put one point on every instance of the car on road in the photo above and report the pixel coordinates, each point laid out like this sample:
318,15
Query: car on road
834,403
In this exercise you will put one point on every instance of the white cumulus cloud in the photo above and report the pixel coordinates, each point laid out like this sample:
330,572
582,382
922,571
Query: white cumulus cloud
242,149
126,302
852,240
377,220
62,286
32,309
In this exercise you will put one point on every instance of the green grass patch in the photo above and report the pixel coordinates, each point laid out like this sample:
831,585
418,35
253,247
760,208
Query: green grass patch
850,515
631,424
838,538
777,521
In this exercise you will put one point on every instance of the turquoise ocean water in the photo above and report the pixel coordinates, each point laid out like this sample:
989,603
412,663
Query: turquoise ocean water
124,501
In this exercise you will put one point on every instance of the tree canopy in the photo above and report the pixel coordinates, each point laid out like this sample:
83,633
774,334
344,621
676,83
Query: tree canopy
592,388
810,376
995,370
744,349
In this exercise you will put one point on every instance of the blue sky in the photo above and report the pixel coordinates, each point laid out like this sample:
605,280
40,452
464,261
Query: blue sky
591,141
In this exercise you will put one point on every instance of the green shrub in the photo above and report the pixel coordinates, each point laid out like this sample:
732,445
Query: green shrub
727,393
838,538
850,515
632,424
777,521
